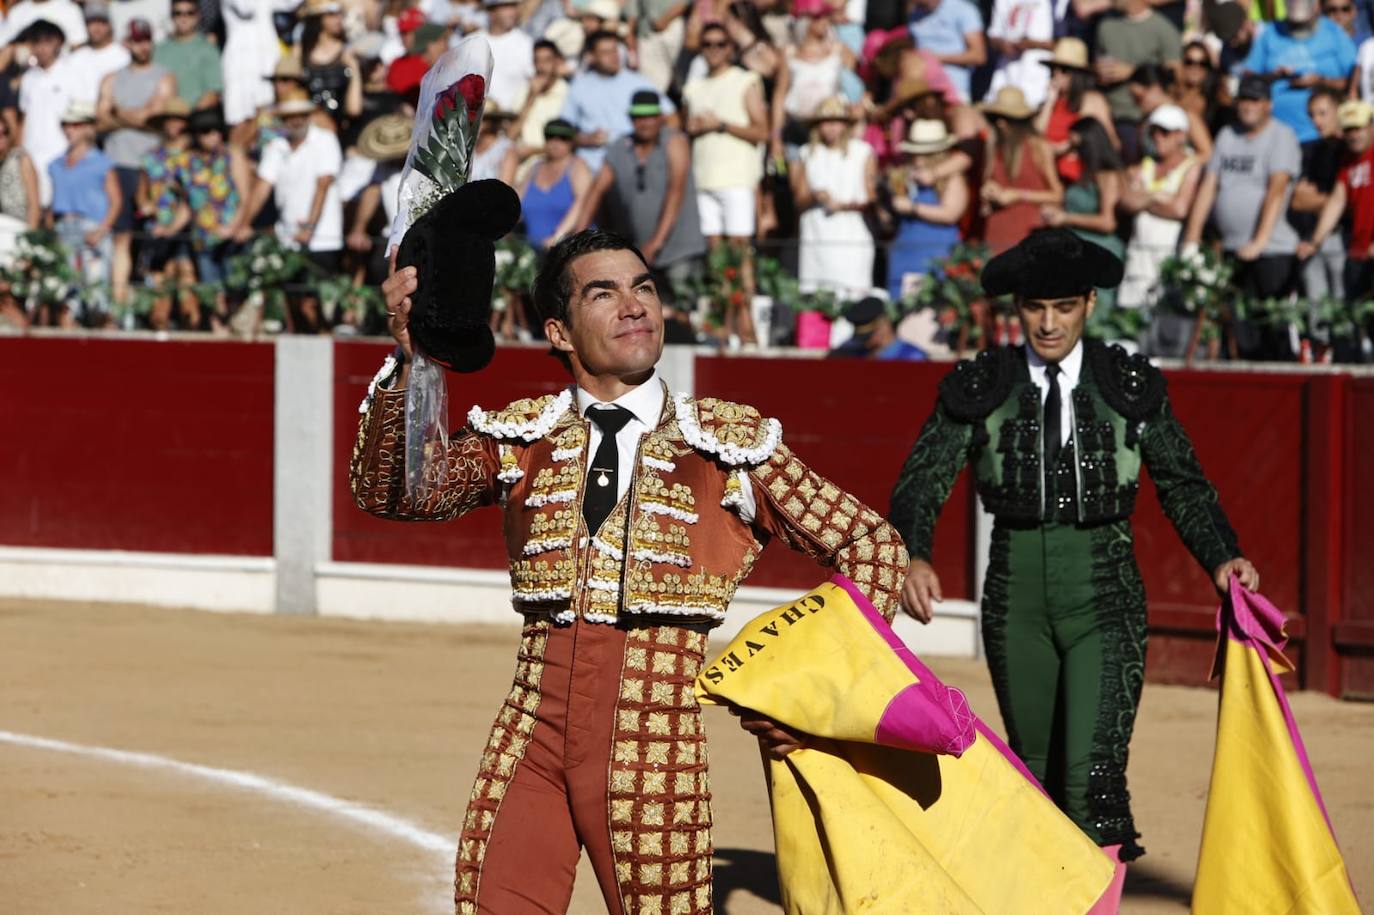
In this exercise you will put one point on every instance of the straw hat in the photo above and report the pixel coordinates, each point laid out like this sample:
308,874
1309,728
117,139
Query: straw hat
1010,103
295,106
909,90
288,67
1069,53
600,9
79,113
832,109
385,138
494,112
1355,115
927,137
173,108
320,8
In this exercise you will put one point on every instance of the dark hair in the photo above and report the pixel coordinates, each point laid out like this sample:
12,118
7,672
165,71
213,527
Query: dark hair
1095,149
715,27
1152,75
40,29
553,286
1080,83
748,15
1199,44
1216,100
1335,97
600,35
544,44
311,30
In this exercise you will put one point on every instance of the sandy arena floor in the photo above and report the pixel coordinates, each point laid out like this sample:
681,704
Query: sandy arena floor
390,717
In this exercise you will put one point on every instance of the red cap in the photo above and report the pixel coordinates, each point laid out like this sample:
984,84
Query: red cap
410,20
139,30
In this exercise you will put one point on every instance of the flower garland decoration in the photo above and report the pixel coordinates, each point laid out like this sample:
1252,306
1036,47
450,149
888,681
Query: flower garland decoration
339,295
954,290
1196,283
517,265
40,271
270,269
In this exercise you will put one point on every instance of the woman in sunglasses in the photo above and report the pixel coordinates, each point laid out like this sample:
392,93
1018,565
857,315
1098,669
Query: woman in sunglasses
1201,91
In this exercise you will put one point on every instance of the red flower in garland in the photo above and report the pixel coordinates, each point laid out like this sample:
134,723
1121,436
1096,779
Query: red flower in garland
472,89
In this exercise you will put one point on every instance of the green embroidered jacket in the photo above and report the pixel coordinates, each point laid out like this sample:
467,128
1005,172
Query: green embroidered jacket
989,414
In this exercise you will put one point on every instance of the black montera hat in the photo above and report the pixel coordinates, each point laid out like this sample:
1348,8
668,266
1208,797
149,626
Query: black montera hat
1052,264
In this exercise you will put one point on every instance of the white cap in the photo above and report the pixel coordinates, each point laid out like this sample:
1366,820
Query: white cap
1169,117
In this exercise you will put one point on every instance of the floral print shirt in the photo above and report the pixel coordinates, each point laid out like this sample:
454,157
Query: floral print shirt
211,194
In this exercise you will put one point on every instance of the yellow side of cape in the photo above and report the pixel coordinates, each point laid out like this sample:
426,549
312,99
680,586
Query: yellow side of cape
1266,847
860,827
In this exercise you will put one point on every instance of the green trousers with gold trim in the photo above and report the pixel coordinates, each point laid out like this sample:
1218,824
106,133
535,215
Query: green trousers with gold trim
1064,628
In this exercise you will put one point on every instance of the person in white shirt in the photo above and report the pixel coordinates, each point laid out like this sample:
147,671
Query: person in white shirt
1022,35
45,91
1364,71
64,14
512,52
101,56
300,170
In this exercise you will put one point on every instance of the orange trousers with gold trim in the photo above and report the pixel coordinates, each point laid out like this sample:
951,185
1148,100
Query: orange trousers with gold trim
599,745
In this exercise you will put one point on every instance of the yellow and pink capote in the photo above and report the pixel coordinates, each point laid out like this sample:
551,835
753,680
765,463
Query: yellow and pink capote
902,800
1267,844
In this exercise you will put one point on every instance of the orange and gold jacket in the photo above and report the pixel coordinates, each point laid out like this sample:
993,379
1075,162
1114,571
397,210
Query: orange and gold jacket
673,548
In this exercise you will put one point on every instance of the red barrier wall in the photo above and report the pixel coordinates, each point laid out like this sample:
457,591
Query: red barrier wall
1247,430
134,444
120,444
1354,632
472,542
853,422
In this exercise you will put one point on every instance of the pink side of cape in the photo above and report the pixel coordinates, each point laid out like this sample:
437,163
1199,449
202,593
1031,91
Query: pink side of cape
1258,624
964,735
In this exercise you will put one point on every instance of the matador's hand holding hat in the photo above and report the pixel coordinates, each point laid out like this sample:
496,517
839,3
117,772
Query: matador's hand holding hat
1052,264
450,226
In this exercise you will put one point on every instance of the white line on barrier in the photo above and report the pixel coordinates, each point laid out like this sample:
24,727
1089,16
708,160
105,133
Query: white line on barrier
358,814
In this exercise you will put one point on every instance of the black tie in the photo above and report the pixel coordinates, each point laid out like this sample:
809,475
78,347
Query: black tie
600,497
1052,414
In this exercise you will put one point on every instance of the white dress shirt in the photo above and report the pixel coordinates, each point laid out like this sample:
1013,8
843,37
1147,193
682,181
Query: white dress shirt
645,404
1070,367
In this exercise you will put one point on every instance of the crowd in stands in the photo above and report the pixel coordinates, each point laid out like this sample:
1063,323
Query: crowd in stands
866,149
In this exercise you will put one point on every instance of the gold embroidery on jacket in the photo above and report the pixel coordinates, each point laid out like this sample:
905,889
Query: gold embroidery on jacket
659,801
510,737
